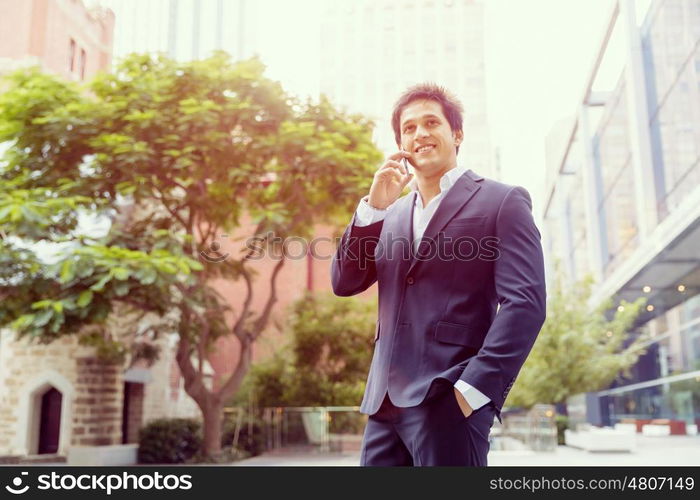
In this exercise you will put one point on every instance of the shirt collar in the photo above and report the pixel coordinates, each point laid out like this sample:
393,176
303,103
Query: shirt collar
451,176
446,181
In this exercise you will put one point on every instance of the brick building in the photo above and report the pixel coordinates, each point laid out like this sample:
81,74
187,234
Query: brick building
62,36
60,396
54,397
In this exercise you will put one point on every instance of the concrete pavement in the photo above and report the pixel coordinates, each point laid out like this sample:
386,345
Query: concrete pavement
650,451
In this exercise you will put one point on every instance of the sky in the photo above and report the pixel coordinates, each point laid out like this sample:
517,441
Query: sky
538,54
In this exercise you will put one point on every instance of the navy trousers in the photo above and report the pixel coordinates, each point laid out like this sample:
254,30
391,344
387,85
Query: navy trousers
434,433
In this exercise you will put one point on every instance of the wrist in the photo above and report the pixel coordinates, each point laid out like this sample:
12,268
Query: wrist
463,404
374,205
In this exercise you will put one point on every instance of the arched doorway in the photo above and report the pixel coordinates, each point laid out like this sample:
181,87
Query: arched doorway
30,406
50,421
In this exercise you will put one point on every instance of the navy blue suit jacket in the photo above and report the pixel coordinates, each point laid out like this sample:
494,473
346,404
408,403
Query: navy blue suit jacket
438,307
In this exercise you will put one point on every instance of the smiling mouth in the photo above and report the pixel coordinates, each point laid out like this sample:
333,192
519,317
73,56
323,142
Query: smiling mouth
425,149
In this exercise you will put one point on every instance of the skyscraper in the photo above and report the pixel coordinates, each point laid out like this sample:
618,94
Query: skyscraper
623,205
184,29
372,50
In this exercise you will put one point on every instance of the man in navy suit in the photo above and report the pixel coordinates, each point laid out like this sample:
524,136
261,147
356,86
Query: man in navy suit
460,272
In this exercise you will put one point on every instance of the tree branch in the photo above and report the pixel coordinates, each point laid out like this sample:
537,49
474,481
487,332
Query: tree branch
261,322
194,386
211,232
239,325
258,228
244,361
139,305
161,198
202,342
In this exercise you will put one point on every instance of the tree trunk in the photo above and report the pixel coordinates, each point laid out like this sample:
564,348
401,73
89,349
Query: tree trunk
561,408
210,404
212,418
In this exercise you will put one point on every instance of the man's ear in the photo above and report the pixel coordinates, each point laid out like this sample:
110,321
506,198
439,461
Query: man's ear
459,135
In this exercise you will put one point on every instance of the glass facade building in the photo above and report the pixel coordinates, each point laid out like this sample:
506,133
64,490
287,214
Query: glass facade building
623,202
665,383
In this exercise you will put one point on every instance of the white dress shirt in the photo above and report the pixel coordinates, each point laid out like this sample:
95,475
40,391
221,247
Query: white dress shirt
367,215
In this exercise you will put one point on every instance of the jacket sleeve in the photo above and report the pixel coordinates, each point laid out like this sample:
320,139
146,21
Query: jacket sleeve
520,287
353,268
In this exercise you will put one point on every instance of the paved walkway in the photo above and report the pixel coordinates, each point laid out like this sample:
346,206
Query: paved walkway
651,451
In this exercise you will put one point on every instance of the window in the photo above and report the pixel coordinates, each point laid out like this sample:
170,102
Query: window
71,60
83,62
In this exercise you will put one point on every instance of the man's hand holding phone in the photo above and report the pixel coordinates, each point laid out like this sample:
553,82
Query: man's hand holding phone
389,181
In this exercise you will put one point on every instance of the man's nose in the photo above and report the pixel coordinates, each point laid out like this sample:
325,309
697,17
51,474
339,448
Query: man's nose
421,131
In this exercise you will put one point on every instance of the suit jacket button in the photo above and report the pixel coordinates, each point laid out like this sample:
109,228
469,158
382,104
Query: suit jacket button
410,280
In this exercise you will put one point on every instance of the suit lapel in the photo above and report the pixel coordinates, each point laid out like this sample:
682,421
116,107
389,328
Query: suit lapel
405,221
461,192
398,227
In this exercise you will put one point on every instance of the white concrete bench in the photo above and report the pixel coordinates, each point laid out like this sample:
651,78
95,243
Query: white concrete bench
626,428
118,454
600,439
656,430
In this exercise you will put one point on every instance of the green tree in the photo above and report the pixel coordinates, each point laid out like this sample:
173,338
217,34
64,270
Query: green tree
327,360
579,349
174,154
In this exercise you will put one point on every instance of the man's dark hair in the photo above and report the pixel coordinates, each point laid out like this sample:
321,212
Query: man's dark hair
451,107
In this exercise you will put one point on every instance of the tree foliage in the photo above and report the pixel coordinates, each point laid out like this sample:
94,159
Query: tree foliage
327,360
173,154
580,348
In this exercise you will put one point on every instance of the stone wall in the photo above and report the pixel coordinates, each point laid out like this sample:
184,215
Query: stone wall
97,410
92,394
164,395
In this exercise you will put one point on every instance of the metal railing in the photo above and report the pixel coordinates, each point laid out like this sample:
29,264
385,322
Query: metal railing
339,429
534,430
326,428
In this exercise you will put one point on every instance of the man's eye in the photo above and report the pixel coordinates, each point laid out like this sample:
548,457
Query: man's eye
408,129
433,122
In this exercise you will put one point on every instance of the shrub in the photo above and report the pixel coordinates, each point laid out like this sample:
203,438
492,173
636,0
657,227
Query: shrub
326,362
228,454
251,437
562,422
169,441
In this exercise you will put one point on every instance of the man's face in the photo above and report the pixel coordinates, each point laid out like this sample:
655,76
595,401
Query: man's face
426,134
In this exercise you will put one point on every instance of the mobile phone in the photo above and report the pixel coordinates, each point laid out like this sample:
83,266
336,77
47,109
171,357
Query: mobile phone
405,163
